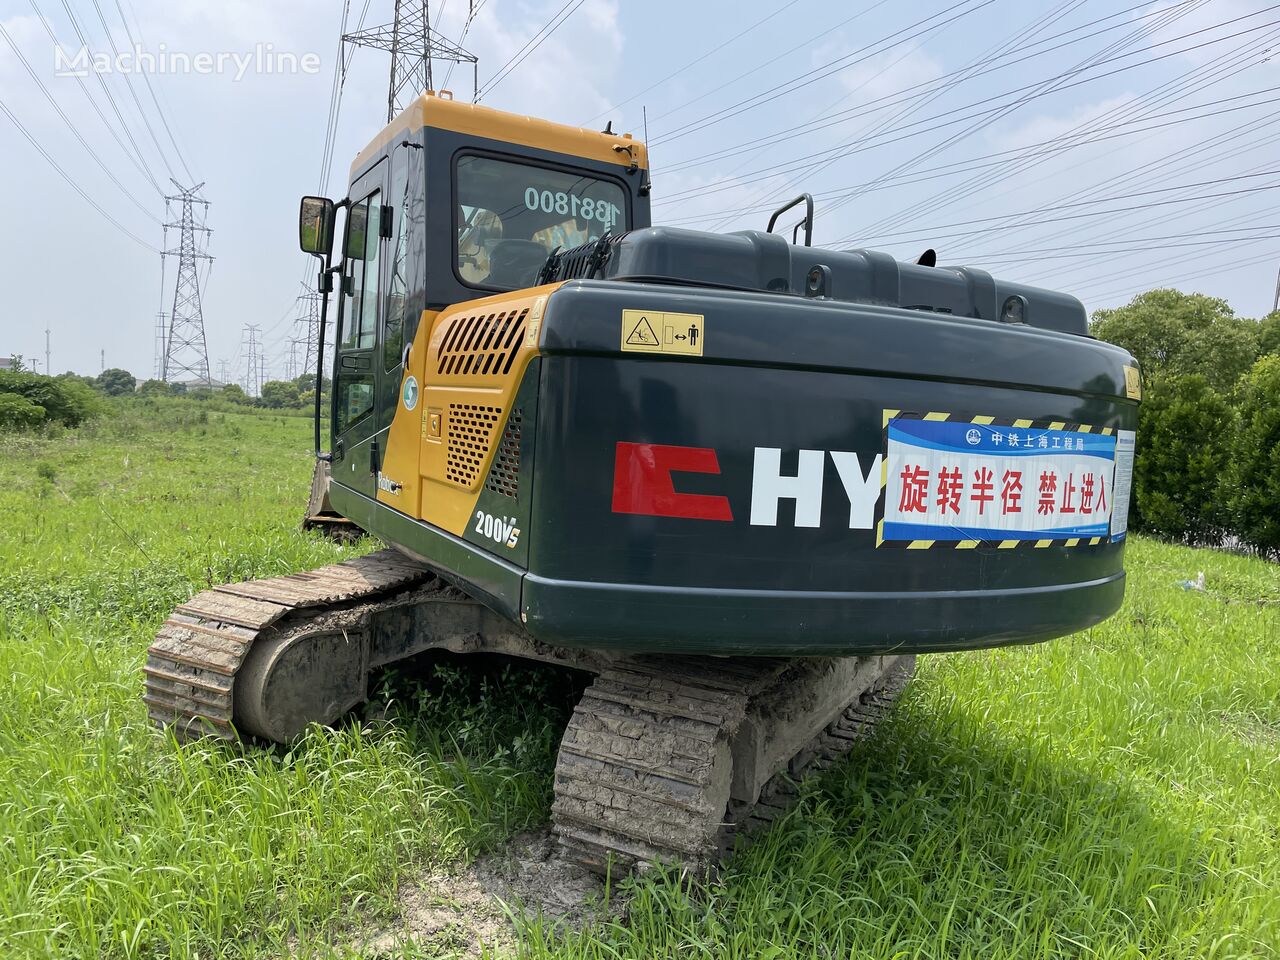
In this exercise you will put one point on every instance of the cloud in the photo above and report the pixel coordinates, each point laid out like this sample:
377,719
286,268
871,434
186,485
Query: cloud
564,76
887,74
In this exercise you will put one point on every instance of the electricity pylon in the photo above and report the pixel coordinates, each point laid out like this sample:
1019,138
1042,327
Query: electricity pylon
186,352
412,45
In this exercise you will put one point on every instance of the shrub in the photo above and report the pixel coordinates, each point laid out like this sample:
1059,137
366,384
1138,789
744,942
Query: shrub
279,393
1174,334
1269,334
17,412
65,401
1185,431
1255,467
115,382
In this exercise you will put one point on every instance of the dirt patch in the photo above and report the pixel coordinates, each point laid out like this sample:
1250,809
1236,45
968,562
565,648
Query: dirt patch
531,877
482,907
451,914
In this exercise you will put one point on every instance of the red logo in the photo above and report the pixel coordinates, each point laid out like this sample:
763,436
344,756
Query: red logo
642,482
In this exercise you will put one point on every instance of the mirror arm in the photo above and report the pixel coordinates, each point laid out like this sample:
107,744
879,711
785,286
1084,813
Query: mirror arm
325,285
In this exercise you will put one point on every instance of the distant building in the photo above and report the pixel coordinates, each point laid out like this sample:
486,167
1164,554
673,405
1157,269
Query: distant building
200,383
8,363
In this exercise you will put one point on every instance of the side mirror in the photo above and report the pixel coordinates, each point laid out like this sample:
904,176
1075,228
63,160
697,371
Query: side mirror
315,226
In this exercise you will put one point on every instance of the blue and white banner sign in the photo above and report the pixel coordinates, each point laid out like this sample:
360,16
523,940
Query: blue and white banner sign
959,480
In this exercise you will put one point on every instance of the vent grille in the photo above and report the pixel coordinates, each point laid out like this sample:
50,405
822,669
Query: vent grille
504,475
472,427
482,344
579,263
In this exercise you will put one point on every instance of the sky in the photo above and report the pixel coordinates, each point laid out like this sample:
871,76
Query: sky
1099,147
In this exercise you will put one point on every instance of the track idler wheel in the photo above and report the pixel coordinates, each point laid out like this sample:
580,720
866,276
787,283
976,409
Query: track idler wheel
294,678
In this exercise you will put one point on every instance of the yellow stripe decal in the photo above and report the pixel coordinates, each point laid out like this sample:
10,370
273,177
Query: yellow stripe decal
919,544
1056,425
1085,428
880,533
1074,541
1044,543
1022,423
889,415
1106,431
937,416
1094,541
984,420
966,544
1008,544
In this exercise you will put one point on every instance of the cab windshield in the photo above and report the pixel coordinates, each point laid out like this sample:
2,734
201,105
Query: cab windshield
511,215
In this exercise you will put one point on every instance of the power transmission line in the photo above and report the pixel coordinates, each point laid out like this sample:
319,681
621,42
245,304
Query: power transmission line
128,83
988,161
75,186
970,70
412,45
702,58
1079,135
1043,88
1180,279
75,131
111,102
107,125
1189,83
462,38
941,83
1179,158
543,33
155,100
939,120
821,72
933,235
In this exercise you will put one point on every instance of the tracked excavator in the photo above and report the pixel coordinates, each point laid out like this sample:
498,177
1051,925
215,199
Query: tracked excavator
741,480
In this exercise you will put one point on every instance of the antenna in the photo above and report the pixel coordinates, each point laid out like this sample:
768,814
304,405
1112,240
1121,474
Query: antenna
647,186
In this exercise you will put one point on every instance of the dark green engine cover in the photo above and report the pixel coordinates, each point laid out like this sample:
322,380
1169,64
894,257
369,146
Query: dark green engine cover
744,501
645,531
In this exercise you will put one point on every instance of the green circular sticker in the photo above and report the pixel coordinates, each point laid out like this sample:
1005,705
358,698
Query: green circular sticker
410,393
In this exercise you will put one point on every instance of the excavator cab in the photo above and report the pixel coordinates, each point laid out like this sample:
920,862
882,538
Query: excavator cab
452,203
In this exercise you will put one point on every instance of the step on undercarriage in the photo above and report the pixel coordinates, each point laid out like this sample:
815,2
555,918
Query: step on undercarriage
666,759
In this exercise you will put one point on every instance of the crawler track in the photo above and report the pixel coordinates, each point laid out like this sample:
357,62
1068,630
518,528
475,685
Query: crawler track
665,760
643,775
191,667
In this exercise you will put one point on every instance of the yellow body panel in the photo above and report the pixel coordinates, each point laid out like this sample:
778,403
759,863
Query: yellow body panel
468,360
475,120
400,461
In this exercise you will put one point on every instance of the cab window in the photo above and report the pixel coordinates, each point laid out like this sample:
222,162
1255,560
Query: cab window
511,215
360,318
354,386
393,326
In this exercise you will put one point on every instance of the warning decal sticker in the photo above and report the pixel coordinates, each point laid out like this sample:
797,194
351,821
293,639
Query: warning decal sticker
647,331
960,482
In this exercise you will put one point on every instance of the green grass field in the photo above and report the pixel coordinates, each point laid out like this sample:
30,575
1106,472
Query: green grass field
1114,794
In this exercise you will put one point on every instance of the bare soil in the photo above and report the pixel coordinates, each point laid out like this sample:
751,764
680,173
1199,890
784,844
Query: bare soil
483,906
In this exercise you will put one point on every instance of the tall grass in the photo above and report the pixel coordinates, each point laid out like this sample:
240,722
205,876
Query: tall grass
1115,794
117,842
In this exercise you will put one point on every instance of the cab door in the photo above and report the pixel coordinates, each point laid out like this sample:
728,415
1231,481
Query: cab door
399,300
357,360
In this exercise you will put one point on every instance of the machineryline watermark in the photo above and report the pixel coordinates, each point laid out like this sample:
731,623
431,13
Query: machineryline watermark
263,59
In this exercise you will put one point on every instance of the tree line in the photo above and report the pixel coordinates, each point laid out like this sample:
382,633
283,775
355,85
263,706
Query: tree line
1207,467
30,400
